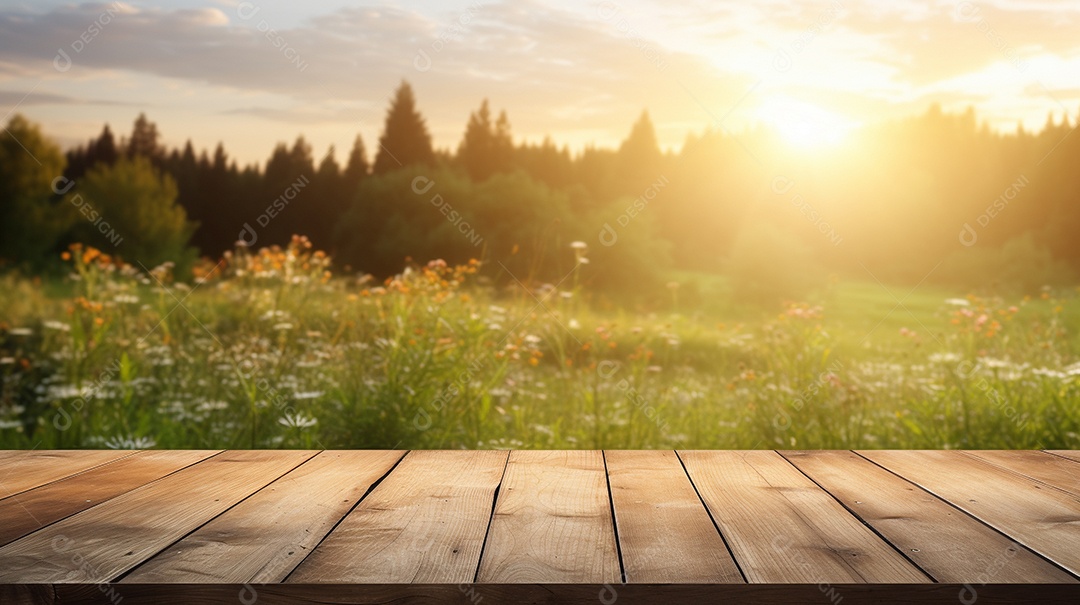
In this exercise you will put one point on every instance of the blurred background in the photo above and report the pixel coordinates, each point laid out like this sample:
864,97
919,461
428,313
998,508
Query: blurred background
760,191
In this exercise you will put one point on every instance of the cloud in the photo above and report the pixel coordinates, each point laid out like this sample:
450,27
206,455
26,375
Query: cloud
585,67
11,98
538,56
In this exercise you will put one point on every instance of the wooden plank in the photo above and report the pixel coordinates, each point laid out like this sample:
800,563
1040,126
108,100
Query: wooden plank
1047,468
665,533
33,509
264,537
26,470
102,542
1043,519
425,523
946,543
783,528
552,521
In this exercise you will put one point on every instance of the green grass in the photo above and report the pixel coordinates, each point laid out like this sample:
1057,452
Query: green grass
273,354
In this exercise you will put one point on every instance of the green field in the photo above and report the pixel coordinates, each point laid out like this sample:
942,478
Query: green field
271,350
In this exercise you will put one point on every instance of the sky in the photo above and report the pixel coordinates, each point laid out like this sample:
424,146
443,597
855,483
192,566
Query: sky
255,73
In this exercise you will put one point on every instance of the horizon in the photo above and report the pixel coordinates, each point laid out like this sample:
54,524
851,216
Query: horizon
213,71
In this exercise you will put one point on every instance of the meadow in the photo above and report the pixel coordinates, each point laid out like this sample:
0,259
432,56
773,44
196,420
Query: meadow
270,349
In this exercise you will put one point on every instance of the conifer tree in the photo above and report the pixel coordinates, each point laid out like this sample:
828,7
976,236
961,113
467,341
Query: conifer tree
405,140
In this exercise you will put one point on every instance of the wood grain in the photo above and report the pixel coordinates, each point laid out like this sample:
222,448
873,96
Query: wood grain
1050,469
536,527
552,521
102,542
948,544
783,528
665,533
266,536
1070,454
1042,518
424,523
20,471
33,509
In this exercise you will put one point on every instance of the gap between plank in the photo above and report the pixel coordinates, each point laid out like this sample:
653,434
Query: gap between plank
614,520
1060,456
731,553
120,577
1023,475
491,519
972,515
860,519
370,489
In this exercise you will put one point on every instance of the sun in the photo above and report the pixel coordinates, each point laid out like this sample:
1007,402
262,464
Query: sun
804,125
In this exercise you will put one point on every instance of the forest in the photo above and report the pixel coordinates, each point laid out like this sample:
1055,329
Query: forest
937,197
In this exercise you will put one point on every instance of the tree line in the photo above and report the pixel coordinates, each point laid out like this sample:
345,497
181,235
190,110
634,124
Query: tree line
938,194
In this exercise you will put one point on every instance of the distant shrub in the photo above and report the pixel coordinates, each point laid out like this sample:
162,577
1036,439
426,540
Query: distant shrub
1020,265
520,227
30,221
130,210
765,265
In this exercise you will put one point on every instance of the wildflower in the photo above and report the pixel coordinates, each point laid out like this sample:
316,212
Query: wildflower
308,394
212,406
130,443
297,421
52,324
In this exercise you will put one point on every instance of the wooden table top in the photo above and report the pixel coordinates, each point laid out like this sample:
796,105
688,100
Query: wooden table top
538,526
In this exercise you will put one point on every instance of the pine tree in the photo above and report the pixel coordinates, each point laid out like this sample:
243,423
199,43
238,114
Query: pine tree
503,143
638,162
326,203
475,150
640,152
144,140
356,169
486,148
405,140
105,150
